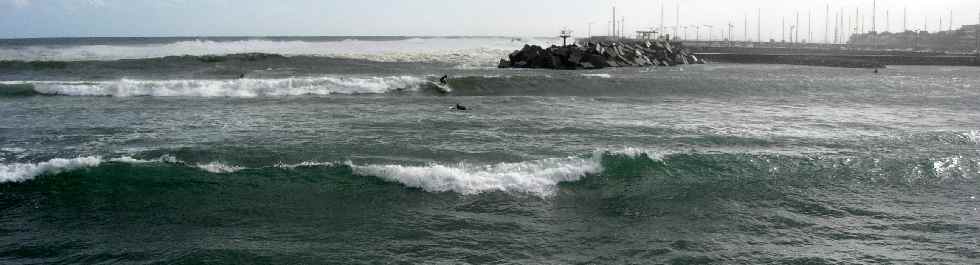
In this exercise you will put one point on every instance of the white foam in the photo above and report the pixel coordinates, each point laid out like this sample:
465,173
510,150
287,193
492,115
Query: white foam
478,52
974,136
233,88
130,160
639,152
952,168
598,75
19,172
539,177
305,164
219,168
162,159
13,150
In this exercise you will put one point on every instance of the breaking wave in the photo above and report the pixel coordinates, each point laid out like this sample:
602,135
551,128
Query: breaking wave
544,177
607,76
479,52
233,88
539,177
19,172
219,168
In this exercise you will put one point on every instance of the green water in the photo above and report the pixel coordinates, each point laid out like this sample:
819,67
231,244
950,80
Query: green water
707,164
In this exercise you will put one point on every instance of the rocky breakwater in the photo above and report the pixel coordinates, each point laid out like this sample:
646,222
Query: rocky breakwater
601,54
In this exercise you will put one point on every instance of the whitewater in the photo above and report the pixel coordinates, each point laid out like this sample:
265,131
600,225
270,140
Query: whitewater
459,51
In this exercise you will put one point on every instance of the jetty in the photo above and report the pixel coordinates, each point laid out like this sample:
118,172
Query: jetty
602,52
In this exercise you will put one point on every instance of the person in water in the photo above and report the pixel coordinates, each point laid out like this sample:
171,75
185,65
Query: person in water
444,80
459,107
241,76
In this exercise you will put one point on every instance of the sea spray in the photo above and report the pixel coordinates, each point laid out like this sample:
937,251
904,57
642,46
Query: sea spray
538,177
19,172
325,85
464,52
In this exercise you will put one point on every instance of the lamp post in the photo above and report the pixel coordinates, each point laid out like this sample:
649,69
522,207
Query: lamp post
565,34
590,29
697,33
709,32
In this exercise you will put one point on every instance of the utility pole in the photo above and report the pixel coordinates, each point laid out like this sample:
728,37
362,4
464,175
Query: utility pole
791,40
730,27
590,29
678,22
858,23
845,26
661,15
797,38
809,26
874,23
888,20
697,33
826,26
905,19
622,27
783,39
746,28
614,22
709,33
836,28
758,30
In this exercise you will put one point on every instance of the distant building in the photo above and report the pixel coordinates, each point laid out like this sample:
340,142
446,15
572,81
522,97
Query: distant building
963,39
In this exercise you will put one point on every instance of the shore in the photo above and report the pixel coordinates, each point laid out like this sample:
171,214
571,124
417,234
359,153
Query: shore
833,58
597,53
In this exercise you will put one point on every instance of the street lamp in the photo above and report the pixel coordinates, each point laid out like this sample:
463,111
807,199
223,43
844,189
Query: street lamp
709,31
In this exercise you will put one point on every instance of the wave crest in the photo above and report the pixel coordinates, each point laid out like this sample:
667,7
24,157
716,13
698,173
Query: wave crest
219,168
19,172
234,88
477,52
539,177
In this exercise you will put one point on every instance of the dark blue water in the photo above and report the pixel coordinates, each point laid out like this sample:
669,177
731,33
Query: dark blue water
320,159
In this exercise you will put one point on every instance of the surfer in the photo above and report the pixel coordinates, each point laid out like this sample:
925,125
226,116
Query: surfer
876,70
241,76
444,80
459,107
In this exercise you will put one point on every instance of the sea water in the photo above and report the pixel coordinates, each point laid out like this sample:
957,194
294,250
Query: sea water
344,150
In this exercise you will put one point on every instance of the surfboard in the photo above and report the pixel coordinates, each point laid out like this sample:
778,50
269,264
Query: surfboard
443,88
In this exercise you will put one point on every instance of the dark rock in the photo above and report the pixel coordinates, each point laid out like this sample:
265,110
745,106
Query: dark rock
600,54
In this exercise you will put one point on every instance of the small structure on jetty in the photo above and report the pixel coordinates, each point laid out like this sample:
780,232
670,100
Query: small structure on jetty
602,52
646,34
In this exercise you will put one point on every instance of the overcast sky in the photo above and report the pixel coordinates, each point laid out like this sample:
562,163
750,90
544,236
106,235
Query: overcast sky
87,18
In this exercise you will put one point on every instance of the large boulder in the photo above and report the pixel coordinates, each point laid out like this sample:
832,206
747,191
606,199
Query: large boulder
594,60
600,54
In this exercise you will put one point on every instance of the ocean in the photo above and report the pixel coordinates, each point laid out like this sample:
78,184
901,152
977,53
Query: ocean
344,150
